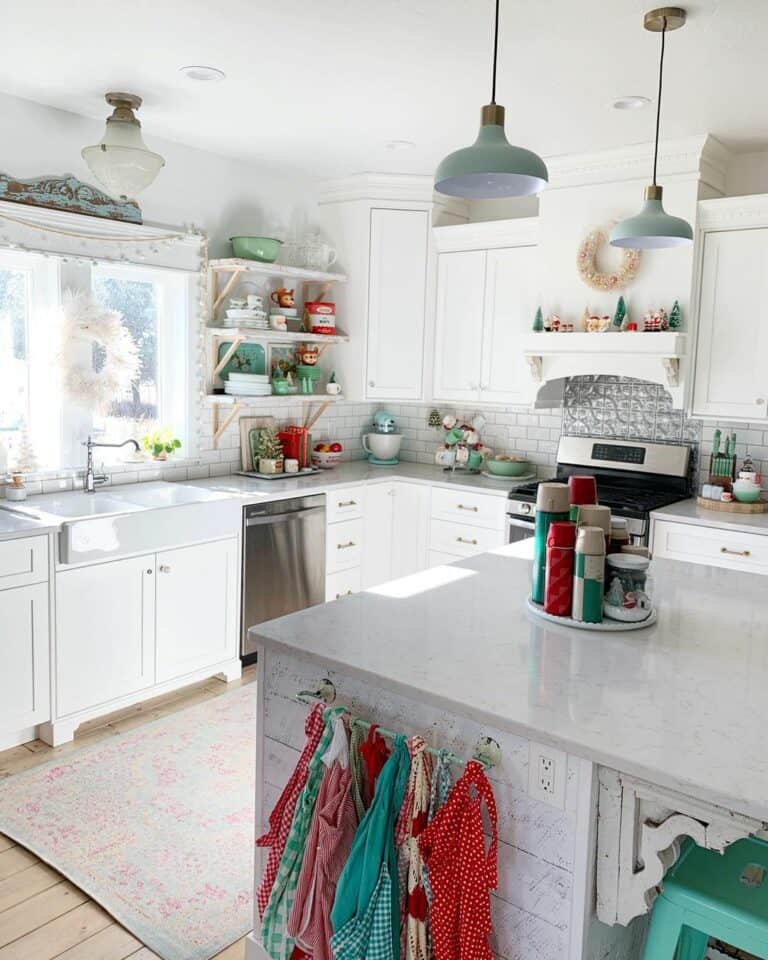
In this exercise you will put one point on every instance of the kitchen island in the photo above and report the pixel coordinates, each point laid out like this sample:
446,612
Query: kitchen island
655,734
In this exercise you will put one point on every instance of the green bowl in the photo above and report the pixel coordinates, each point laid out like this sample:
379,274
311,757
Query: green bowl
508,468
264,249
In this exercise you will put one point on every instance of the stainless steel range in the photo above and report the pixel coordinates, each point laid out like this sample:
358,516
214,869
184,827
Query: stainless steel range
633,478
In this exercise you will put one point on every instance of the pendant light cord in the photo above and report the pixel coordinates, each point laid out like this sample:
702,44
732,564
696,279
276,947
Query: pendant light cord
658,101
495,53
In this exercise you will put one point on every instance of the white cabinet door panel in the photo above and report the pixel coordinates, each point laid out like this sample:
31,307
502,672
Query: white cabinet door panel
196,607
410,529
105,618
24,695
377,534
397,290
459,325
511,295
731,376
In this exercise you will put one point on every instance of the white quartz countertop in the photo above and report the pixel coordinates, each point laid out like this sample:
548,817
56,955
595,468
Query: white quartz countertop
13,525
688,511
682,703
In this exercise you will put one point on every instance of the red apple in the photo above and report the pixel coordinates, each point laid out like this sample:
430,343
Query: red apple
336,448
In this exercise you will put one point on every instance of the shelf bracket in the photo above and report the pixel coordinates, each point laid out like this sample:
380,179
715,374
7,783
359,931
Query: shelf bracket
672,368
227,356
535,365
227,287
219,428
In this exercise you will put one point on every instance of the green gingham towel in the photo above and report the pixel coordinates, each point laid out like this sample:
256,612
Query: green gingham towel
369,937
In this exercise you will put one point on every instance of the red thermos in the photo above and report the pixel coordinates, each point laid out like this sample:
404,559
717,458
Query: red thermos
582,490
558,589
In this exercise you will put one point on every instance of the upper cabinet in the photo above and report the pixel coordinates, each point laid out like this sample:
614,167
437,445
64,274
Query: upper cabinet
731,358
487,293
397,297
381,227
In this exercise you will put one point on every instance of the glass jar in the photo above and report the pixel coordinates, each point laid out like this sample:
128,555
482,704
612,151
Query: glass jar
629,593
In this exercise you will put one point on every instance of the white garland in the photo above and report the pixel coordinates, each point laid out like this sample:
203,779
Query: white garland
86,321
586,264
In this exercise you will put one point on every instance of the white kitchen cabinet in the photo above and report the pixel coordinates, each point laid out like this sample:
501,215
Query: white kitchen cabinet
397,294
714,546
487,294
196,603
105,632
342,584
395,531
730,375
459,325
24,692
511,294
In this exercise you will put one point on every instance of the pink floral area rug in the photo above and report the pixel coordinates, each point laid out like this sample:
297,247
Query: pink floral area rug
156,825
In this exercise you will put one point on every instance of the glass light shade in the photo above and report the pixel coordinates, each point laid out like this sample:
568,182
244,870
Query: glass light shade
652,228
491,167
121,162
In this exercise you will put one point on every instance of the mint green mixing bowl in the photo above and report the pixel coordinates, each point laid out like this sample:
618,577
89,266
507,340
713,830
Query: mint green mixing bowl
508,468
264,249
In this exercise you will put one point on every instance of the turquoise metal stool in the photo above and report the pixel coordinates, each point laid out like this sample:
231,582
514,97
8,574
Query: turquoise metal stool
707,894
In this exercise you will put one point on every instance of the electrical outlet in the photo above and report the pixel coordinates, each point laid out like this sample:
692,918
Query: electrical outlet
547,774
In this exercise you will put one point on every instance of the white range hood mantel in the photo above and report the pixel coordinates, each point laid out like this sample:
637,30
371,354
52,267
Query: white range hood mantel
644,356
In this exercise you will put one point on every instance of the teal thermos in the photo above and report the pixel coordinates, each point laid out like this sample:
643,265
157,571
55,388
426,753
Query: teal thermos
589,575
553,502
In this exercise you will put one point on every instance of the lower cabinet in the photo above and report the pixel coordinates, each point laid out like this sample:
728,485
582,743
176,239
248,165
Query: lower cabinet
714,546
24,695
342,584
105,632
395,531
126,625
196,607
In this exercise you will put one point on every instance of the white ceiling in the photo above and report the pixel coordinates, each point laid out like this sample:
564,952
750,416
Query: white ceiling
321,85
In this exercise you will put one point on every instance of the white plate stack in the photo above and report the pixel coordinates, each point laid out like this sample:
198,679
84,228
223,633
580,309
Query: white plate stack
248,385
246,317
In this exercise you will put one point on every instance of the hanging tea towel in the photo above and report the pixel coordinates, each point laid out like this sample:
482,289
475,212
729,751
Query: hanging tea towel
461,873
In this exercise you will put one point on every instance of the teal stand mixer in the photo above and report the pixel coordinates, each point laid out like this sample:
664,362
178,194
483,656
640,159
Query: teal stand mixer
383,443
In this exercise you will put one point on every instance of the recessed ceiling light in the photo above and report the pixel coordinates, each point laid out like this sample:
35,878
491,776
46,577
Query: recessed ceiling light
400,145
630,103
202,73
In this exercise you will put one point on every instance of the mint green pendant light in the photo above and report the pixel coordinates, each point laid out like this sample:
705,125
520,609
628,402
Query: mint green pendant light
653,227
491,167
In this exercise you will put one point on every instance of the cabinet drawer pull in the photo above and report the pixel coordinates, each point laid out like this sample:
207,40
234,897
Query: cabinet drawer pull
471,509
735,553
344,546
347,594
346,503
164,568
465,540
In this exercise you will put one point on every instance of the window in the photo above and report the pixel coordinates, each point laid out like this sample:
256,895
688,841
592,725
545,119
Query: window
37,411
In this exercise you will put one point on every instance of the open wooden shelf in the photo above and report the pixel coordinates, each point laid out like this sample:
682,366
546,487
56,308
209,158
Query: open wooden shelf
231,264
273,399
277,336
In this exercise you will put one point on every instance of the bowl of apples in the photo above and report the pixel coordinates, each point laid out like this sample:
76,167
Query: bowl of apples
326,454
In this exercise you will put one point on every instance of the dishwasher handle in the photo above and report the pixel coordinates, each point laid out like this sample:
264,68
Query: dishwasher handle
267,518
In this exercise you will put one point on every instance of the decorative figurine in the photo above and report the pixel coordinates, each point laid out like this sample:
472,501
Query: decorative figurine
556,324
538,321
549,323
619,314
675,318
449,421
655,322
283,297
585,319
309,354
434,419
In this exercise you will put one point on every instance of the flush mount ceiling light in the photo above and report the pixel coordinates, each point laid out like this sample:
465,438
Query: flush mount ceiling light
121,162
400,145
632,102
202,73
491,167
653,228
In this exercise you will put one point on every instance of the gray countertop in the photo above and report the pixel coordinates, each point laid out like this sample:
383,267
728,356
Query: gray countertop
13,525
681,703
688,511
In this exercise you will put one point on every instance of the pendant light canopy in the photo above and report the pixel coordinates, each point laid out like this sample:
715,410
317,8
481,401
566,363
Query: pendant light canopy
121,162
491,167
653,227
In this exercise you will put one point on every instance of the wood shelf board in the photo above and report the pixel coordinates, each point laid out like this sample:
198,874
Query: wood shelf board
225,399
276,336
277,270
667,343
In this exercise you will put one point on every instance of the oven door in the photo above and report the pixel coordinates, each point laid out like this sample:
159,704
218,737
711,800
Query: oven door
519,529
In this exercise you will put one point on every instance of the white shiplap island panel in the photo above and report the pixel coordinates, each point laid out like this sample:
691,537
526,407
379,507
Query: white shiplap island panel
660,723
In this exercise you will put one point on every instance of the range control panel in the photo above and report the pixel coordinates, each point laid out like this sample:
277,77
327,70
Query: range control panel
618,453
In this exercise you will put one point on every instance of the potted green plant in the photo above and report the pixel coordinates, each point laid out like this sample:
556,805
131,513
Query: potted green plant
269,451
160,443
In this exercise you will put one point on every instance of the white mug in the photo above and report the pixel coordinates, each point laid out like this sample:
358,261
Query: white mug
291,466
333,388
255,302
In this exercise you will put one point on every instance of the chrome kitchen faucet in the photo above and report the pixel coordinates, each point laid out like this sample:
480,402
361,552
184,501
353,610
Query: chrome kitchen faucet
91,480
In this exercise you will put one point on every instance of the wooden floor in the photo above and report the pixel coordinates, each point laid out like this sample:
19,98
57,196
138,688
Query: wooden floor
42,916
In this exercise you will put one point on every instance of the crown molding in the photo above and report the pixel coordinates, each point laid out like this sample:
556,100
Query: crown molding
729,212
389,187
487,234
701,157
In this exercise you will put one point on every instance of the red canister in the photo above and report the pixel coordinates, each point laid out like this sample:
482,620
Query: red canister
558,588
320,317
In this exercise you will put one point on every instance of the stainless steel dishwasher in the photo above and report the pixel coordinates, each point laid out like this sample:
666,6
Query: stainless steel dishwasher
283,561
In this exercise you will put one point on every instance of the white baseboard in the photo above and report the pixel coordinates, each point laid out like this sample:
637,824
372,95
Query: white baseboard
254,950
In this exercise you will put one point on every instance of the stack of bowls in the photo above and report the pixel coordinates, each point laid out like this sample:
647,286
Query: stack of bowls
248,385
